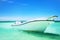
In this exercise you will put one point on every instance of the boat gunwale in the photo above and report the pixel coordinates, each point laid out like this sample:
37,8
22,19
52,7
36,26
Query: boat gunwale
34,21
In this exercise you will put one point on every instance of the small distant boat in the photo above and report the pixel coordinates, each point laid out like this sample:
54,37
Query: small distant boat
35,25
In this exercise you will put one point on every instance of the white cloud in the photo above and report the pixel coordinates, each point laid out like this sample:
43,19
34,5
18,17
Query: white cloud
24,4
8,1
4,0
8,18
20,18
40,18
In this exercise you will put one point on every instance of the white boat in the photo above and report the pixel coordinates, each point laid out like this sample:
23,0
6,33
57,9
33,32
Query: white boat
36,25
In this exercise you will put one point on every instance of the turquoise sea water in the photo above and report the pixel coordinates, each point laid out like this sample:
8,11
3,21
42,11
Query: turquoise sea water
9,33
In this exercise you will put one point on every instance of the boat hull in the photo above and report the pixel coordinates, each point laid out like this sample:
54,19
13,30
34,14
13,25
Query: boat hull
34,26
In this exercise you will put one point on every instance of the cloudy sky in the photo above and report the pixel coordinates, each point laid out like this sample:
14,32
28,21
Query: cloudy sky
28,9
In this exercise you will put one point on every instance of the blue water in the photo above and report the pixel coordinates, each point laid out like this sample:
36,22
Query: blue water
9,33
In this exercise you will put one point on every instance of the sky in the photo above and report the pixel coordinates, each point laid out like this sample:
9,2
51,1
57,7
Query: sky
28,9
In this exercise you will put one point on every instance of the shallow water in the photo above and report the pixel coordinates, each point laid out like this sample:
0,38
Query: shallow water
9,33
